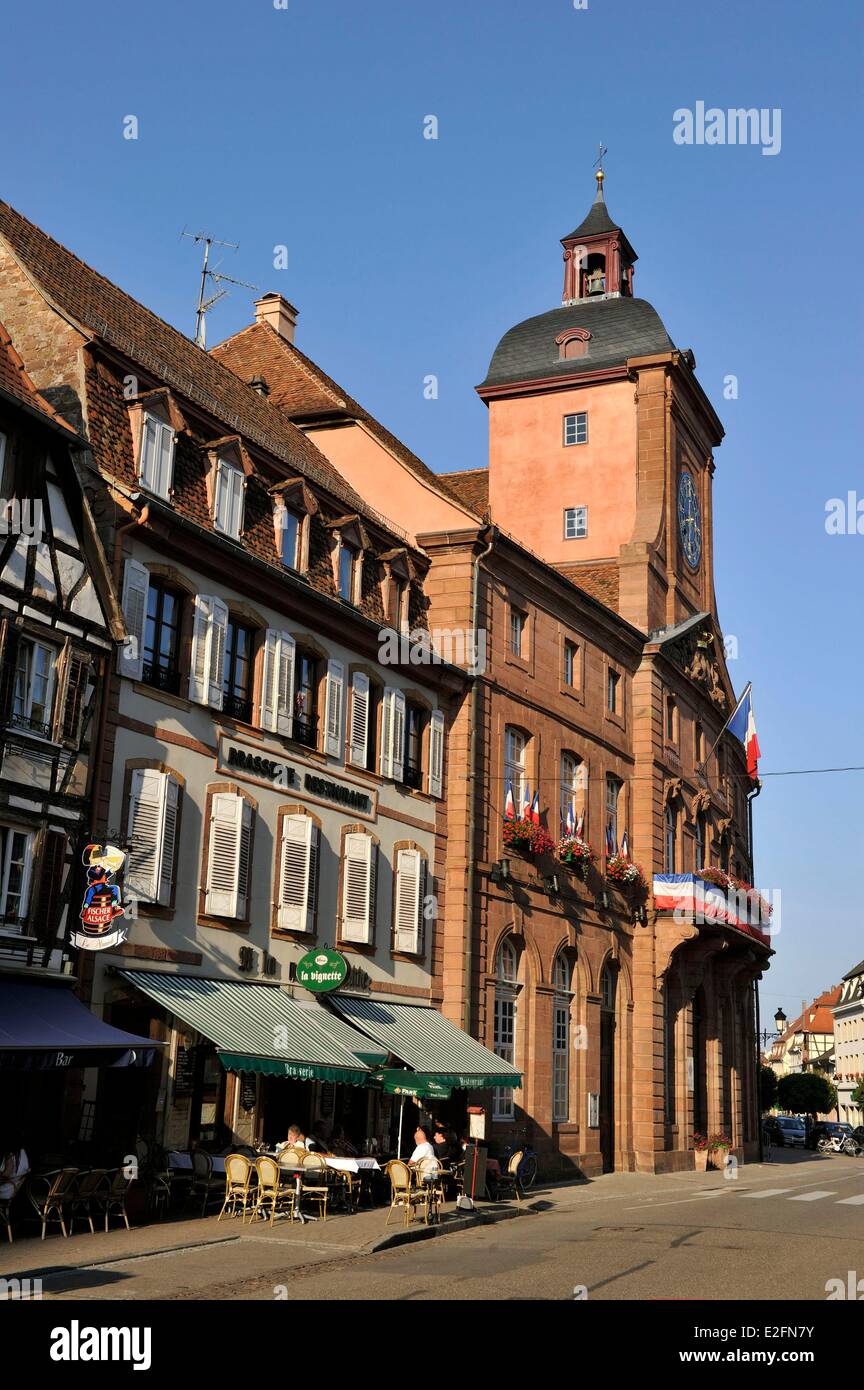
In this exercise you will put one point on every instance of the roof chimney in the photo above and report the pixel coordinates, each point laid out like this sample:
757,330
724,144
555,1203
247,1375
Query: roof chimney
275,310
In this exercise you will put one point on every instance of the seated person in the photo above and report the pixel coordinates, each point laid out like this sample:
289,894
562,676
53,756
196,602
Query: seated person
446,1145
423,1147
14,1167
296,1139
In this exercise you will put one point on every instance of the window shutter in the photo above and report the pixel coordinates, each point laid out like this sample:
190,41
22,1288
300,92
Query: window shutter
277,683
149,453
398,735
166,460
208,649
216,651
359,736
44,917
77,672
229,856
408,910
136,583
335,689
145,830
386,757
169,839
238,490
358,888
298,874
222,499
9,638
436,753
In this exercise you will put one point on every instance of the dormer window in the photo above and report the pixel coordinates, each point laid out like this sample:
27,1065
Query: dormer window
228,499
290,539
347,571
156,457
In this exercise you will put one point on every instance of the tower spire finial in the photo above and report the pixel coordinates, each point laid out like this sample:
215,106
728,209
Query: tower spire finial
598,165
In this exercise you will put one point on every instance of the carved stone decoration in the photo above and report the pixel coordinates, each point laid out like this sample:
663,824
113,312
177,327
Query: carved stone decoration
695,653
672,790
701,803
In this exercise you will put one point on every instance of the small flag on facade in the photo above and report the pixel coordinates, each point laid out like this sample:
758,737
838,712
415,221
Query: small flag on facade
743,726
509,804
625,846
571,825
611,846
526,804
535,808
580,825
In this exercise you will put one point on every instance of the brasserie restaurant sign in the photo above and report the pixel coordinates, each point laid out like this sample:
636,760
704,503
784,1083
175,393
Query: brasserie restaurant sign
249,762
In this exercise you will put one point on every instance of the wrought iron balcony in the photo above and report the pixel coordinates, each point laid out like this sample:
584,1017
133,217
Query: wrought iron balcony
237,708
412,777
165,678
32,726
305,731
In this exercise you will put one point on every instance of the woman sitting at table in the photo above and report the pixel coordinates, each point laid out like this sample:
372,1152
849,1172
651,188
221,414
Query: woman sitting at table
423,1147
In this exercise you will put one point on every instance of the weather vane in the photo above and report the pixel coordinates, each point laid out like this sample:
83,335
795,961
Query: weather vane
598,165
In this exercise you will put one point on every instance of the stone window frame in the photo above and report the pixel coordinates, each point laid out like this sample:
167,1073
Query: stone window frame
514,601
349,531
572,692
618,716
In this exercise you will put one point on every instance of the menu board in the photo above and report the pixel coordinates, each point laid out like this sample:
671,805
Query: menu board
184,1072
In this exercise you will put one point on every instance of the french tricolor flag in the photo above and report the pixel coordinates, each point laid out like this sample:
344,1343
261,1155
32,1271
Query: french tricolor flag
509,804
535,808
580,825
526,803
743,726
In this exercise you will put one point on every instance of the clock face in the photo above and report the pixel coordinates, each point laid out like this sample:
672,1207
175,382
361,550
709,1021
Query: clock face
689,519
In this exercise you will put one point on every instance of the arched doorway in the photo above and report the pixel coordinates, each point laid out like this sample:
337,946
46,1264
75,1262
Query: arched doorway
608,992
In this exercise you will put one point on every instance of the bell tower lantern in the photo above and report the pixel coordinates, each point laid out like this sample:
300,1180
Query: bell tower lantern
598,258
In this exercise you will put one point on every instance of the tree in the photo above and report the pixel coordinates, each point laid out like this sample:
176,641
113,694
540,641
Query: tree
767,1087
807,1093
858,1095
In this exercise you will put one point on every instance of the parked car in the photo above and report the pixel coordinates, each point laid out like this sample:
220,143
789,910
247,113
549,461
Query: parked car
858,1135
826,1129
786,1131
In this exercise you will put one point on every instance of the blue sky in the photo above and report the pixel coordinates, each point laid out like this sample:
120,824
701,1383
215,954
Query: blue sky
303,126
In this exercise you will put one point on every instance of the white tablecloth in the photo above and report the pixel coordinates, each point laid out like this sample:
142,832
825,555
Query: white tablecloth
353,1165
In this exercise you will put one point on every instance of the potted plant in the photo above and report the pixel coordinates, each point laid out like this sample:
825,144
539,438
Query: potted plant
625,873
576,853
700,1152
524,837
718,1147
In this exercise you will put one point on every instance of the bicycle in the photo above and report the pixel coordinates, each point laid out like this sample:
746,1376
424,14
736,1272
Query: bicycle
528,1169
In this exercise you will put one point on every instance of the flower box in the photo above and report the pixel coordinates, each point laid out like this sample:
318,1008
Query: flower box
576,854
625,874
524,837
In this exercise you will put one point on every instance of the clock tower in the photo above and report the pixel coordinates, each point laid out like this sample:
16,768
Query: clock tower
601,439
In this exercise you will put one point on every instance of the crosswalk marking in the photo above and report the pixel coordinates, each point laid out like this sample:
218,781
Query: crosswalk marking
769,1192
852,1201
812,1196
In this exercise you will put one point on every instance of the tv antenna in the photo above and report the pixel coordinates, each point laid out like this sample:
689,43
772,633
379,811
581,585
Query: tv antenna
205,304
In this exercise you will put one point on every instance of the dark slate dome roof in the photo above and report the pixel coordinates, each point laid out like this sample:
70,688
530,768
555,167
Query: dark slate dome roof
619,328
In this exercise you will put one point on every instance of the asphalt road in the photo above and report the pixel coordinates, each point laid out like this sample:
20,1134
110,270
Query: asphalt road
776,1231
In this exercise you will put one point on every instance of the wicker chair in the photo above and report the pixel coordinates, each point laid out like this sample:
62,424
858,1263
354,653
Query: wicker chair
430,1181
6,1203
403,1192
317,1182
51,1194
273,1192
112,1199
508,1178
205,1184
87,1196
239,1190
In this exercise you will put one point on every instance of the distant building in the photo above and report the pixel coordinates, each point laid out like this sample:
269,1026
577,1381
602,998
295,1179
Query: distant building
808,1042
849,1044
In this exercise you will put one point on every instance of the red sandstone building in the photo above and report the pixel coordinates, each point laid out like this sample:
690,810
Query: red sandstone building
583,555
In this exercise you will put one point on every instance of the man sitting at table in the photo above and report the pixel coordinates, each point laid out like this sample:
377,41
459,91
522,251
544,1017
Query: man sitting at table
296,1139
423,1148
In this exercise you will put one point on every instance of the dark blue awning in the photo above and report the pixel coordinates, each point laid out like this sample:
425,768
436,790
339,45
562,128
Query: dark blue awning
44,1027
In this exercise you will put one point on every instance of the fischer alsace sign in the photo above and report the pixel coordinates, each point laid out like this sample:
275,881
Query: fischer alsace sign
103,900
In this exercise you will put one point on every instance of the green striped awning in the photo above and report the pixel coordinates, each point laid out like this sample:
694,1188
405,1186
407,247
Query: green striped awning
262,1028
428,1042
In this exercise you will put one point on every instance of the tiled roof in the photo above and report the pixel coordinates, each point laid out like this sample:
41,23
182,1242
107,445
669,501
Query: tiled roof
15,382
302,389
600,581
472,486
112,315
597,222
818,1016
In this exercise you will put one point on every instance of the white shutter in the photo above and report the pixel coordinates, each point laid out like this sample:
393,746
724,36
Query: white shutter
136,585
359,735
228,861
358,888
145,830
165,467
298,874
408,907
436,753
238,490
335,691
398,736
222,498
277,682
148,470
200,637
386,755
216,651
169,837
